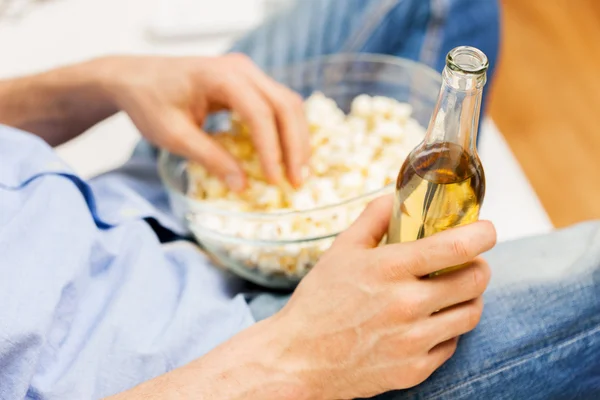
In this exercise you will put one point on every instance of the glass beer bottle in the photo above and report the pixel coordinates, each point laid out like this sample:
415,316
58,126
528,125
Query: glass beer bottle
441,184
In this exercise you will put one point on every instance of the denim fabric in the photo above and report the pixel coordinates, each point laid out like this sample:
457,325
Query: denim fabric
420,30
539,337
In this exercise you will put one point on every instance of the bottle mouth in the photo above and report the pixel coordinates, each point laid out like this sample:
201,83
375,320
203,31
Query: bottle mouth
468,60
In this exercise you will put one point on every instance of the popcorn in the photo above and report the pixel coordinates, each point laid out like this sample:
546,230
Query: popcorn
356,124
388,130
362,158
214,188
324,189
362,106
352,155
302,200
382,106
350,182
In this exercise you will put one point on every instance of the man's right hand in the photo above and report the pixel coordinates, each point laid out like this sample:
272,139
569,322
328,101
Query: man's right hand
365,321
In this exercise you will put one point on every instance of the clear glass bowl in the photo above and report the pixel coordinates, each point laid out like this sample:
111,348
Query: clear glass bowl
267,258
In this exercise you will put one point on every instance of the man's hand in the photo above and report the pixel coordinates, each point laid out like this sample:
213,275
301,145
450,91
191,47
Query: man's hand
366,320
168,99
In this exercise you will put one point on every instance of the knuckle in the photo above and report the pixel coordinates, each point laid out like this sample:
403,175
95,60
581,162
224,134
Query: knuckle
450,347
417,341
221,85
378,262
415,263
389,268
460,247
478,279
422,369
474,312
480,276
262,112
409,307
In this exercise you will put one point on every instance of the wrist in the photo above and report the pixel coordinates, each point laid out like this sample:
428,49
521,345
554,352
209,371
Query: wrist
264,358
255,364
108,77
282,360
56,105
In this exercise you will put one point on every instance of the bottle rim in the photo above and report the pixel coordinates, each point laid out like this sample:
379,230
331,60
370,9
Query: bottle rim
467,60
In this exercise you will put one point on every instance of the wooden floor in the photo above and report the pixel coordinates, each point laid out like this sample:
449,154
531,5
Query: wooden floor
546,101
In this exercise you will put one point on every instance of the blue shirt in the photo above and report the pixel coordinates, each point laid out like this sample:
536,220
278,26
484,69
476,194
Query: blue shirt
97,291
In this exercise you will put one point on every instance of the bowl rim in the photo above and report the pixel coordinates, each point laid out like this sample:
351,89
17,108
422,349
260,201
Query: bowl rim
368,57
202,206
211,236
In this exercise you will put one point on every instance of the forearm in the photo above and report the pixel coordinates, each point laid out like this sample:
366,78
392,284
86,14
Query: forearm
60,104
253,365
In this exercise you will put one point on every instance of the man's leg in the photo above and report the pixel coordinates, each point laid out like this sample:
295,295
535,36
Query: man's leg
539,337
420,30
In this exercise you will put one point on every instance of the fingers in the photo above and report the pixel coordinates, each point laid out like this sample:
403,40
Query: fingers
292,127
274,114
432,360
457,287
188,141
254,109
440,334
441,353
446,249
370,227
452,322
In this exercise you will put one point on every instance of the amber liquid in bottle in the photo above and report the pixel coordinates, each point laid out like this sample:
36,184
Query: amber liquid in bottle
442,184
440,188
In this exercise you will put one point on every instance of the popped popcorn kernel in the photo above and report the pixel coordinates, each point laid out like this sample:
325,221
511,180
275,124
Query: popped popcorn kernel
352,155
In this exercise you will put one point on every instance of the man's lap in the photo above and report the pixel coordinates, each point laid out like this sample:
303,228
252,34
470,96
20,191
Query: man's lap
540,332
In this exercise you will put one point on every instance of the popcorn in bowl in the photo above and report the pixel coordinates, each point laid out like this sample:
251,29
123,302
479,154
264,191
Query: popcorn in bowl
285,231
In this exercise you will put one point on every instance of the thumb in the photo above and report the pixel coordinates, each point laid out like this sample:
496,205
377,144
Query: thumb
191,142
369,228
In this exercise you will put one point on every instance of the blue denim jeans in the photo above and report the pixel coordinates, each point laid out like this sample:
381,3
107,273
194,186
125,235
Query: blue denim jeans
539,337
420,30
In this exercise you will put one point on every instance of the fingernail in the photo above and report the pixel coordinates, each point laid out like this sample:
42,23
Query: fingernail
235,182
300,176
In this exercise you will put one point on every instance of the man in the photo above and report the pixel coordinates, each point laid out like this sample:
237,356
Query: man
102,294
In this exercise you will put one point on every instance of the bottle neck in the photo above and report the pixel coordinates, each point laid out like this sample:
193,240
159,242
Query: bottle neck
455,118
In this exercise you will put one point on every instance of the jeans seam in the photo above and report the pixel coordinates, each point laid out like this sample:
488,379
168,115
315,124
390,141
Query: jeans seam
372,22
434,32
518,361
